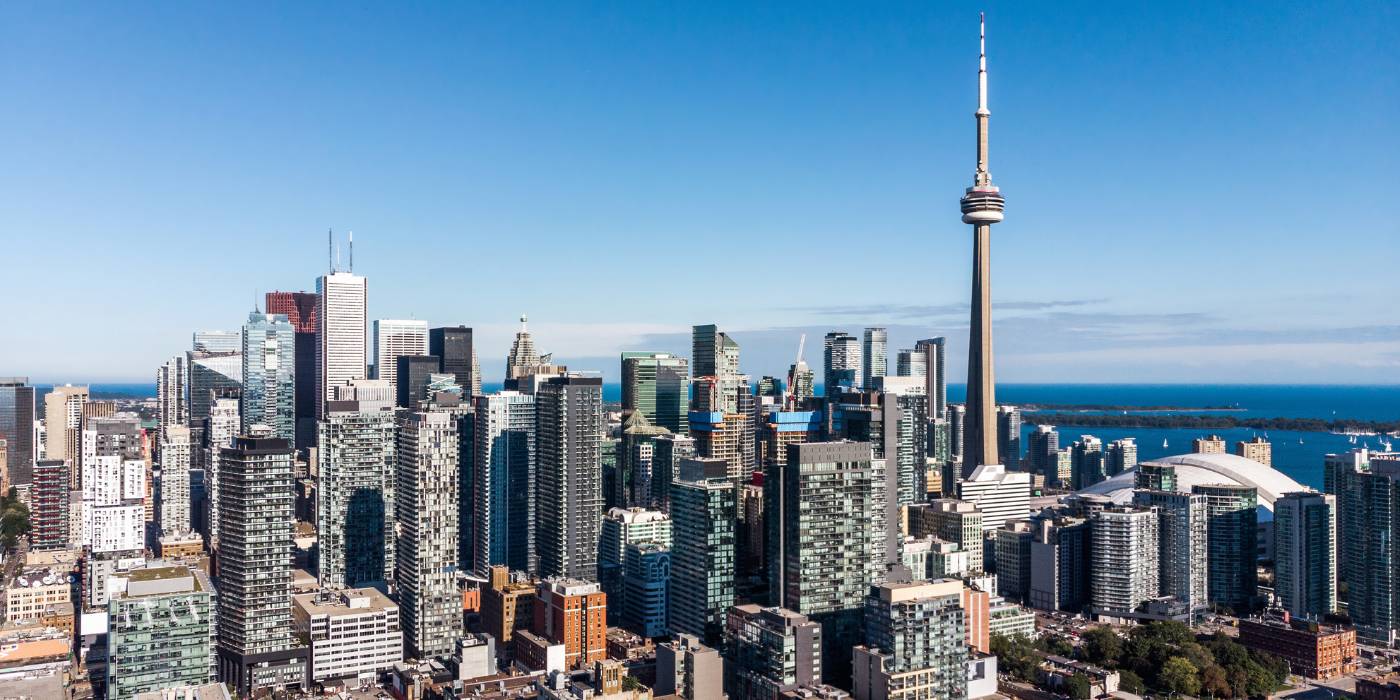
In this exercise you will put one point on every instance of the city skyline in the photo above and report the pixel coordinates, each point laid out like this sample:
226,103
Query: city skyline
336,497
446,145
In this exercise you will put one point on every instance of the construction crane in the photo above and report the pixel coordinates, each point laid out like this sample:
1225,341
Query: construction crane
789,396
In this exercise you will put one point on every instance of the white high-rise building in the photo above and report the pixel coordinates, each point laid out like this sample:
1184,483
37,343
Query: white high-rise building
874,352
1123,558
1000,495
425,502
175,481
340,337
223,427
394,339
171,381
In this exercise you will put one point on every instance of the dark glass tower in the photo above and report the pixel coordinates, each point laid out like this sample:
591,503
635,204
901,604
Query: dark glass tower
453,348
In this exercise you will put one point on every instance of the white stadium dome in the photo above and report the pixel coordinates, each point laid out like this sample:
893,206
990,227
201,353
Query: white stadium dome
1214,468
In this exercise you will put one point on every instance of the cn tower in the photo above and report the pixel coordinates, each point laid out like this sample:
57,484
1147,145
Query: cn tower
982,206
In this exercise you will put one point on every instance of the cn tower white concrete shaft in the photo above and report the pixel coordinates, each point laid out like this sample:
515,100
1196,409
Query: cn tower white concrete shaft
982,206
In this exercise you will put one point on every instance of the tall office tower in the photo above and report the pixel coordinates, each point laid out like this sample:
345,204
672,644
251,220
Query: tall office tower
573,613
1232,535
982,205
394,339
221,428
841,360
689,670
622,527
569,474
914,643
412,377
646,598
63,418
503,513
269,375
1257,449
778,429
952,520
522,356
216,341
355,513
456,352
171,403
769,387
1181,537
1042,451
931,352
211,374
17,427
1368,508
1305,553
1087,462
636,454
160,632
1120,456
1013,558
703,559
667,451
430,606
801,380
256,649
905,443
828,548
1123,558
1000,495
911,363
175,457
713,353
1208,445
772,650
657,384
340,333
1155,476
1009,436
1060,561
49,505
301,309
874,355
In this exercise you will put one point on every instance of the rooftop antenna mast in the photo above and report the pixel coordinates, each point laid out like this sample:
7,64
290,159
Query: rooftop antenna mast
330,250
352,251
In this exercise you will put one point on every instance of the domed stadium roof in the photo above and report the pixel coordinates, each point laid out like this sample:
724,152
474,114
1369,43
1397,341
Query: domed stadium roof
1215,468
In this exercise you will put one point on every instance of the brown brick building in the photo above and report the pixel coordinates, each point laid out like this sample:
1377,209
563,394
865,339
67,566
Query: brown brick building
1311,649
573,613
507,605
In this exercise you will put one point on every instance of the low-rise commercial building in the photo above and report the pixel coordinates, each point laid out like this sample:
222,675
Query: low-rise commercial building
353,633
34,590
160,631
1311,649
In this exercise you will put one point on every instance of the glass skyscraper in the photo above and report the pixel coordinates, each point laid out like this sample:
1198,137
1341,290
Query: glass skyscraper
355,496
269,375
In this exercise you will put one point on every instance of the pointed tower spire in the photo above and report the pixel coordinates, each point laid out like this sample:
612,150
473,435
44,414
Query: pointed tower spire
982,66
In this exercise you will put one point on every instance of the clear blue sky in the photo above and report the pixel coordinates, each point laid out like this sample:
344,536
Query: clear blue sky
1197,191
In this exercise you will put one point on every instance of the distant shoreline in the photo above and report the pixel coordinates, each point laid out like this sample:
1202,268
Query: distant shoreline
1206,422
1130,408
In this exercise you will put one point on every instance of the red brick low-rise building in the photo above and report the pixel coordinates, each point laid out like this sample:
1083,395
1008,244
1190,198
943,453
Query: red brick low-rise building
1311,649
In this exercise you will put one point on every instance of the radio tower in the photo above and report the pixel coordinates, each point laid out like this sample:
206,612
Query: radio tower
982,206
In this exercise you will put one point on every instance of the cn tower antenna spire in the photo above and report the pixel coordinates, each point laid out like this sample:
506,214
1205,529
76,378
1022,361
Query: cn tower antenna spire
982,67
